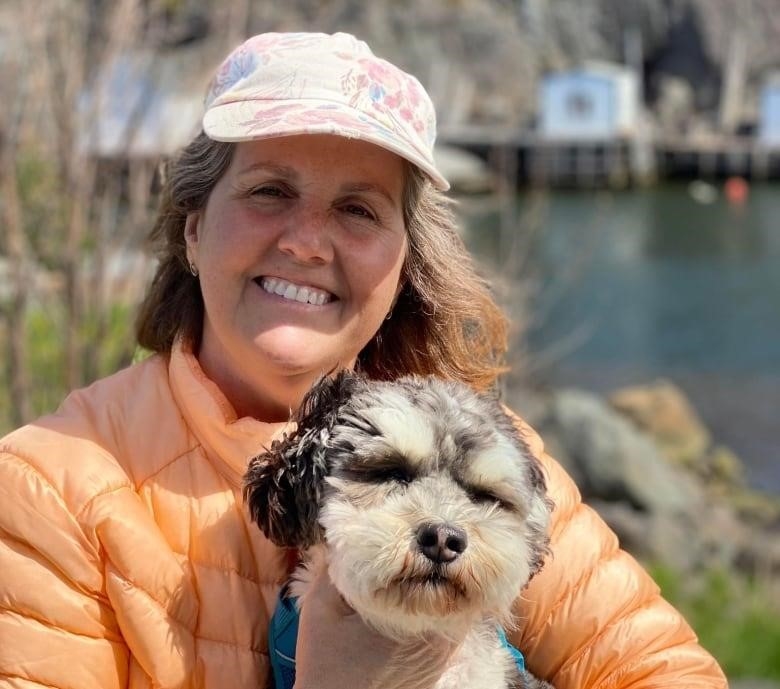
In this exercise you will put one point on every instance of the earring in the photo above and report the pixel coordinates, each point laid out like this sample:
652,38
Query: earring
389,314
193,269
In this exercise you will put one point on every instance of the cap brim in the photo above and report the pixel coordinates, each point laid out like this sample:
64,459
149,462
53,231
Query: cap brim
257,119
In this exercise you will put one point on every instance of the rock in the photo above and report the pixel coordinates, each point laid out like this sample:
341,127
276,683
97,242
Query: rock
661,512
714,538
757,509
662,410
724,467
612,460
654,537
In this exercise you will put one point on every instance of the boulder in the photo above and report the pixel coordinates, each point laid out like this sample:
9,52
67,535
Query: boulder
654,537
661,511
663,411
612,460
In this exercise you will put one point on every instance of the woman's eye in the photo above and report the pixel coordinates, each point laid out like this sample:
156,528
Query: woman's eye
359,211
269,190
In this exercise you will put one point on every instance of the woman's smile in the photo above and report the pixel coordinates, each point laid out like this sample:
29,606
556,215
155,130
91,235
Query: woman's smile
304,294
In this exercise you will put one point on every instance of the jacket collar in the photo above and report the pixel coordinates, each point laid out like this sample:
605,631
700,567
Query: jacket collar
229,442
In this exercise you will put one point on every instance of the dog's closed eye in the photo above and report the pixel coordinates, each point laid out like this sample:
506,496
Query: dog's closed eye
484,496
392,471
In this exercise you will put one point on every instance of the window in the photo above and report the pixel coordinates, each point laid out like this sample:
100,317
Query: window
579,104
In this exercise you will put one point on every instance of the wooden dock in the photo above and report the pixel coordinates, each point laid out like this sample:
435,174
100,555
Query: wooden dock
524,158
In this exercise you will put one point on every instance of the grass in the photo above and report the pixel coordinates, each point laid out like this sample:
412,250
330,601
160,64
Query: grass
46,360
737,619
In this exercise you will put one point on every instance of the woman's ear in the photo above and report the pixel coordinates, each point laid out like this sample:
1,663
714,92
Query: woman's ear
192,235
398,290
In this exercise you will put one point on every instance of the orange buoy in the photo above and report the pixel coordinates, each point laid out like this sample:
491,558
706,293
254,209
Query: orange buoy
736,190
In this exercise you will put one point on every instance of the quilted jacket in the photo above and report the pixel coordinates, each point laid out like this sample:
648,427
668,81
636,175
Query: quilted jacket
127,558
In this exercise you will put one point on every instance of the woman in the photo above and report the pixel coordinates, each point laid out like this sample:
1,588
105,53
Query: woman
302,232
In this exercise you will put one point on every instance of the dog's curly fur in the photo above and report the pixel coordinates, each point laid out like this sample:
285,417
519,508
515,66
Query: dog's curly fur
372,465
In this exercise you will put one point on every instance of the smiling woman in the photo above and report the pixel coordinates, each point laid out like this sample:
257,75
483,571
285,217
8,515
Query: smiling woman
302,232
311,215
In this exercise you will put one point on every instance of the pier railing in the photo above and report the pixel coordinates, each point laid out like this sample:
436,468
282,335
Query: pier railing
528,158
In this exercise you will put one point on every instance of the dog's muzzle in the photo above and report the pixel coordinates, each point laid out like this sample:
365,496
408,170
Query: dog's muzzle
441,543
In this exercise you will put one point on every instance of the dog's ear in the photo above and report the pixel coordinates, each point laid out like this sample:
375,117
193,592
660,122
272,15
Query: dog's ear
283,486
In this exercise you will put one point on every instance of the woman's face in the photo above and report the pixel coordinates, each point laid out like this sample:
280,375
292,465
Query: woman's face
299,249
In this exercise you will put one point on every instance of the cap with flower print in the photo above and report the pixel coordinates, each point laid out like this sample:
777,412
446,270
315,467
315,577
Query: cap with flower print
283,84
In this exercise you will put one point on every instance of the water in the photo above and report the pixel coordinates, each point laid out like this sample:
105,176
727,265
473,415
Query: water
632,286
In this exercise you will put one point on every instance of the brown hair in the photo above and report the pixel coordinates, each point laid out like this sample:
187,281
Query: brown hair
173,305
445,321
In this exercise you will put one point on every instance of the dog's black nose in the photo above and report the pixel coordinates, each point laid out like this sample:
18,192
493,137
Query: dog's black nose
441,543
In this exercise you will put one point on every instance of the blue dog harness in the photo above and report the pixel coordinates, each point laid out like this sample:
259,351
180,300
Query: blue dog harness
283,636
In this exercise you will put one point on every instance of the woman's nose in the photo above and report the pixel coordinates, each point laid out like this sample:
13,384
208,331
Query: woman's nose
306,236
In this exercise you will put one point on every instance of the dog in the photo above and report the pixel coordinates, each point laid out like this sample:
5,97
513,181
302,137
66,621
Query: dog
424,503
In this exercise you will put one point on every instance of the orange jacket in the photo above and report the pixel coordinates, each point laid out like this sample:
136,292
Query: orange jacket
127,558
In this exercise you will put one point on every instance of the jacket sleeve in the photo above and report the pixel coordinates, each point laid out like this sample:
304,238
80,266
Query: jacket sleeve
593,617
57,628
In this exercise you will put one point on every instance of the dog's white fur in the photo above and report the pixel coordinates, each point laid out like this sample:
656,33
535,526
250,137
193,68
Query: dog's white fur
480,660
413,452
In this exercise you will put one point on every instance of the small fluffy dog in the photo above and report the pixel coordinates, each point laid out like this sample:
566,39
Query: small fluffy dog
424,503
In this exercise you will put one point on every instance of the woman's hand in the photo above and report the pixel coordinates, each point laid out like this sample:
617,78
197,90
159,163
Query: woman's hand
337,650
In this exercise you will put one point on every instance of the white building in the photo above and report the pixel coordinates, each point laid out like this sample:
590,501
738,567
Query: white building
599,101
769,112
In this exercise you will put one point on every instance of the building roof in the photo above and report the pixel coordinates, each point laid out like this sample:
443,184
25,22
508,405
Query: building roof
608,70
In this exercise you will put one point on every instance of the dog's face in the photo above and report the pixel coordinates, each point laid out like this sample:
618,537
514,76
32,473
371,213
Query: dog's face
432,508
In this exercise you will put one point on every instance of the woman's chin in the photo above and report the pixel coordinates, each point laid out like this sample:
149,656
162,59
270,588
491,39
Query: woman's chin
296,353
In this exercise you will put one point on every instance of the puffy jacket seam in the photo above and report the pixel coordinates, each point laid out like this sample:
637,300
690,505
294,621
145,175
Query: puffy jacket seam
106,491
27,679
28,462
166,613
570,592
612,679
232,570
241,647
617,617
46,623
162,468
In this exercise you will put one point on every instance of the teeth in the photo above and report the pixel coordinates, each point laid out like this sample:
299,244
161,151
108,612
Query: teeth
305,295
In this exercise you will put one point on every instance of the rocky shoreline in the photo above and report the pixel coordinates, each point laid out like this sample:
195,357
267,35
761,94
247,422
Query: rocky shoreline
645,461
678,502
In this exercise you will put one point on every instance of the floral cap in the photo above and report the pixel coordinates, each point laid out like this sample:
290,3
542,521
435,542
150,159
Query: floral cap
280,84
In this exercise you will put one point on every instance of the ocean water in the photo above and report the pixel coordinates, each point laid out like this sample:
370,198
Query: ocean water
627,287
